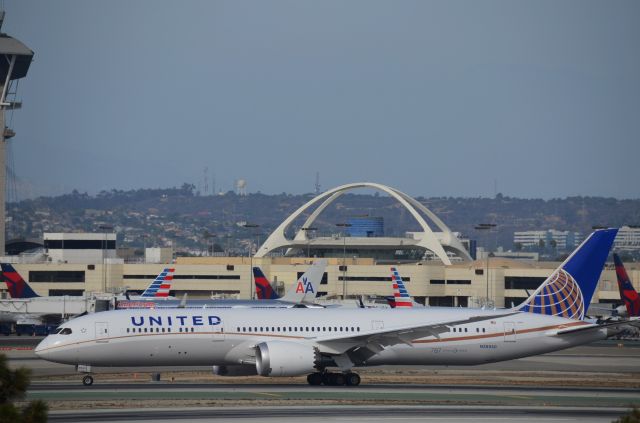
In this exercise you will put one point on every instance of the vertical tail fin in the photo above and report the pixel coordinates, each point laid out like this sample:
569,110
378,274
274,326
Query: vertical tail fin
306,288
18,287
401,296
628,294
569,289
264,290
161,286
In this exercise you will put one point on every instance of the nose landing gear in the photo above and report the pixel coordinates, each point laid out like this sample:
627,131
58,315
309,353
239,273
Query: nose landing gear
87,380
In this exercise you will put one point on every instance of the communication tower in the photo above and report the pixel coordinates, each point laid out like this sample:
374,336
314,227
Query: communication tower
15,59
241,187
317,183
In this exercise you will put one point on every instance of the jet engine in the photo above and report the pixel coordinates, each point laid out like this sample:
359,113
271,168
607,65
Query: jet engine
281,358
239,370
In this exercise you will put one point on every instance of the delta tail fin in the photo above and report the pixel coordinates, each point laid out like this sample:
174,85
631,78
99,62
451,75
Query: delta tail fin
161,286
569,289
628,294
18,287
264,290
306,288
401,297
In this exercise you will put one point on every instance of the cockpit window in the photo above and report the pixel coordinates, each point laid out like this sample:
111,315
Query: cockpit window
65,331
57,331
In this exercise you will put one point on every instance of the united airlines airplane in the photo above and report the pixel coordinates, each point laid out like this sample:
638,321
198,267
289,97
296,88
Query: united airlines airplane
292,342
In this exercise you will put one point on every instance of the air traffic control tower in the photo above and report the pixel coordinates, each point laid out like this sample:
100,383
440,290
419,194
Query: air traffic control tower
15,59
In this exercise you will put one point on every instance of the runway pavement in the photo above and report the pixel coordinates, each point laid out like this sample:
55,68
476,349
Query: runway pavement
591,383
472,414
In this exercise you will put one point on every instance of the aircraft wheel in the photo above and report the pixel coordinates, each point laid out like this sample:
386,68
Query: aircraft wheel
336,379
352,379
314,379
87,380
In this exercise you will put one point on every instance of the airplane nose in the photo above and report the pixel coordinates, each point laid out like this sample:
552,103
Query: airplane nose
41,349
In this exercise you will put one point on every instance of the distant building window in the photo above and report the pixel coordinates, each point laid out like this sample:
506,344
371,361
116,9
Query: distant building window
458,282
91,267
479,271
206,277
370,278
342,268
523,282
436,281
56,276
230,267
70,244
69,292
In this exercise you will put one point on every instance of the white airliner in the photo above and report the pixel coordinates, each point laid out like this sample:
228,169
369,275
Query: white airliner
291,342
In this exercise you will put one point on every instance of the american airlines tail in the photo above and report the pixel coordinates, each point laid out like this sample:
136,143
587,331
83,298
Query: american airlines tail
18,287
568,291
264,290
628,294
401,297
306,288
161,286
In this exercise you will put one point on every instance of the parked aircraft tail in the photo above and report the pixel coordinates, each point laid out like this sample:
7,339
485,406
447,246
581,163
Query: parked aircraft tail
401,297
306,288
628,294
161,286
264,290
568,291
18,287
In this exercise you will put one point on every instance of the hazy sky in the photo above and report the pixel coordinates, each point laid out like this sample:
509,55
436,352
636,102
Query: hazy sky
431,97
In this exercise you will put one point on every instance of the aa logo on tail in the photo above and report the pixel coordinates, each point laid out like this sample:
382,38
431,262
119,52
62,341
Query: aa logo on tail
304,286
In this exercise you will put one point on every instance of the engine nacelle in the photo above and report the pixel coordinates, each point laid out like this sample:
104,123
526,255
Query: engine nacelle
239,370
281,358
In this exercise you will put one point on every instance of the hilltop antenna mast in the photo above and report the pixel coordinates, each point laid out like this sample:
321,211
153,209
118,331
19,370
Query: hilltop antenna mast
317,183
205,187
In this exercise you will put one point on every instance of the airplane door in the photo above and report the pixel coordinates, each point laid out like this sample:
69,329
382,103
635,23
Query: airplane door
509,332
377,324
217,333
102,332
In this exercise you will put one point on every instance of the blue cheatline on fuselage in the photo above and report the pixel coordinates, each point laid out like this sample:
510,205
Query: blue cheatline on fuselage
568,291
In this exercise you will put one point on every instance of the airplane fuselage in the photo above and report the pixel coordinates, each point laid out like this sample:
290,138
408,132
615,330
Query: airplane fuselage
183,337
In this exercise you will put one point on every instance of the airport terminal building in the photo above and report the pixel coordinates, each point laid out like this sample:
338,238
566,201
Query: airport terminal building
444,274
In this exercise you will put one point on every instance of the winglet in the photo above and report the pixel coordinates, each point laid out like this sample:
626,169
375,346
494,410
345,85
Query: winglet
569,289
18,287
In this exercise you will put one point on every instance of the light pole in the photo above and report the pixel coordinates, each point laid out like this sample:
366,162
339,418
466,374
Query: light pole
486,227
307,230
104,227
208,236
248,226
344,257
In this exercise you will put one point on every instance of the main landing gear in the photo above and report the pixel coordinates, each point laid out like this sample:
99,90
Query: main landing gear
334,379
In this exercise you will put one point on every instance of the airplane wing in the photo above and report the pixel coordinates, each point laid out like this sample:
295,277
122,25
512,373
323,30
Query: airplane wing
613,327
363,345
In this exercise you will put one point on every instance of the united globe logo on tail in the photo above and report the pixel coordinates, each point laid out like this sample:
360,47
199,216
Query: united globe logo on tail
568,291
559,296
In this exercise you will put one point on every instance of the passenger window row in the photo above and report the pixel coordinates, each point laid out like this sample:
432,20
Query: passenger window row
466,330
298,329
